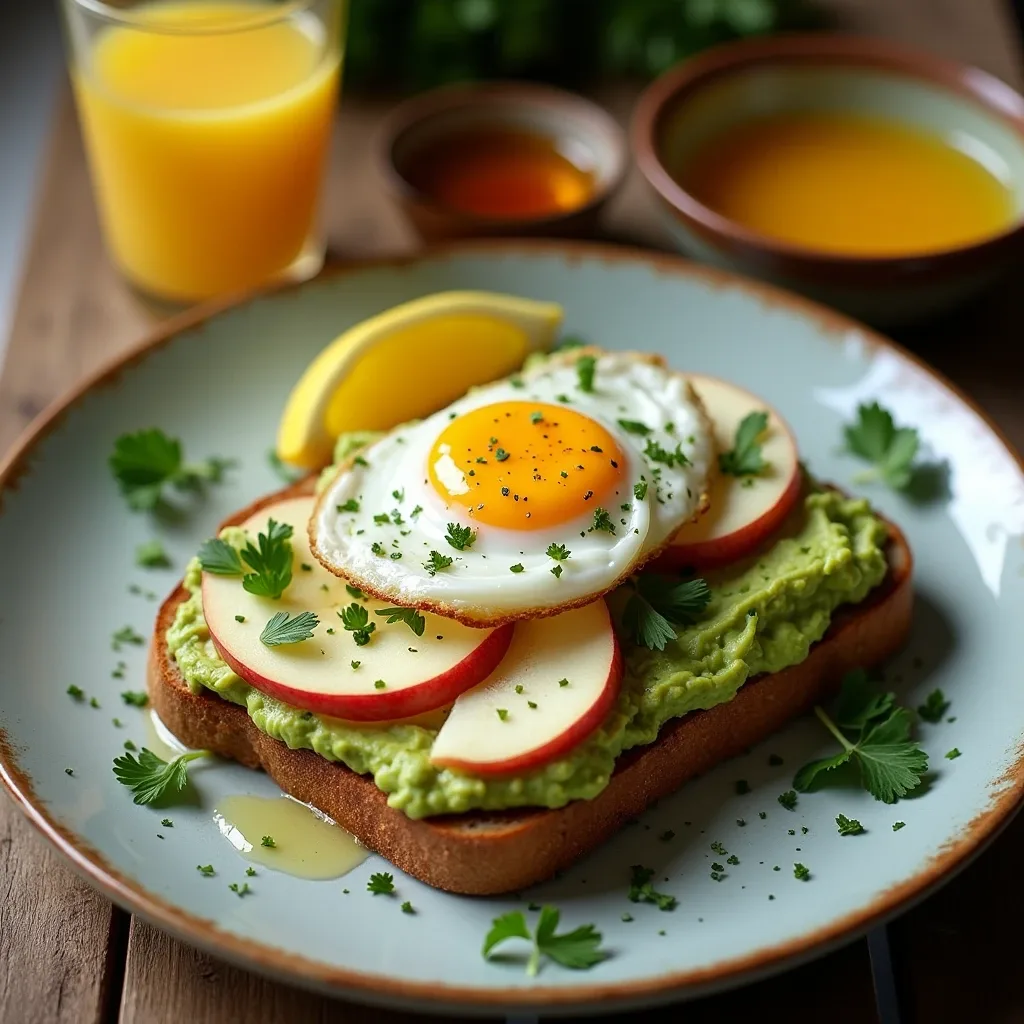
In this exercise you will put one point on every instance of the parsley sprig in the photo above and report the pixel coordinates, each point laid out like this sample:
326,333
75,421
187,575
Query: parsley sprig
891,449
460,537
146,462
151,778
270,561
656,453
641,890
381,883
436,563
356,619
657,604
285,629
875,735
577,950
409,616
745,457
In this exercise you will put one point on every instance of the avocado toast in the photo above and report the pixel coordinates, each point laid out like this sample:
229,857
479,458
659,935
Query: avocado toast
804,585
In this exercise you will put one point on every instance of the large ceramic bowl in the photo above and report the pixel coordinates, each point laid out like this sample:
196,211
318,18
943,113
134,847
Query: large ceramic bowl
820,73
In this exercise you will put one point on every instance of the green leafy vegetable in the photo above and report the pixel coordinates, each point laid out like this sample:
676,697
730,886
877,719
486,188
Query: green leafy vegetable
271,561
285,629
151,555
746,458
585,369
436,562
381,883
889,763
577,950
150,777
460,537
641,890
356,619
410,616
891,449
848,826
934,707
145,462
657,604
220,558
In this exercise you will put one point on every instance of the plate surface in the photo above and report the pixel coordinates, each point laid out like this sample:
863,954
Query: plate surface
219,384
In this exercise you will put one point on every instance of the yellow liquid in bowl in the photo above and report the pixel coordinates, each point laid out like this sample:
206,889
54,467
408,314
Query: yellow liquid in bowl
848,184
207,150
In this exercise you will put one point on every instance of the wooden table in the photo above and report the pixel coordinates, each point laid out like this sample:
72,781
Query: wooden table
67,955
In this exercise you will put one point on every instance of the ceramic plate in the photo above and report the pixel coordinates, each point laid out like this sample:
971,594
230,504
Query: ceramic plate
218,381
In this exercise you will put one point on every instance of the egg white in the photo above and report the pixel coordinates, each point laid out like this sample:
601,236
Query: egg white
390,477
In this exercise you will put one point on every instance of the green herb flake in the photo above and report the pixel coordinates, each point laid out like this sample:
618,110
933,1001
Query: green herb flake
934,707
801,873
135,698
952,755
788,800
381,883
848,826
517,568
897,825
268,841
150,554
586,367
641,889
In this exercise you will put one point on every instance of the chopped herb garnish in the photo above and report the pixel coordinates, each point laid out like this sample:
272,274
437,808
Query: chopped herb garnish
151,555
656,453
531,704
642,891
657,604
502,713
717,847
378,549
382,519
559,552
150,777
897,825
460,537
126,635
240,890
206,870
69,771
135,698
556,571
890,764
800,872
578,949
239,618
381,883
501,455
285,629
379,684
635,427
640,490
268,841
934,707
145,462
848,826
746,458
536,417
952,755
603,521
518,567
75,692
251,872
407,908
355,664
563,682
350,505
788,800
356,619
891,449
436,562
586,367
519,687
410,616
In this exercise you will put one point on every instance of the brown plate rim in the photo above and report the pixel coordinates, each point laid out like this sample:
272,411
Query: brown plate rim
1003,801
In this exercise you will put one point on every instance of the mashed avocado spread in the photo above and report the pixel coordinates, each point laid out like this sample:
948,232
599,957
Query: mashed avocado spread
763,616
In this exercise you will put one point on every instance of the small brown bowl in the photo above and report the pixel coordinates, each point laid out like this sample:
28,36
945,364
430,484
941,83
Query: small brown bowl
821,72
582,131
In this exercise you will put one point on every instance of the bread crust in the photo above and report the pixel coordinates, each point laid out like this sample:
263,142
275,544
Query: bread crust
492,620
485,853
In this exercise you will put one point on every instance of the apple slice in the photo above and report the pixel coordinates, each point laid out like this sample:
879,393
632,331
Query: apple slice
553,688
330,674
744,509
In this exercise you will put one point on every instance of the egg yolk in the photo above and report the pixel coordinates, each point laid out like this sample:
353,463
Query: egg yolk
526,465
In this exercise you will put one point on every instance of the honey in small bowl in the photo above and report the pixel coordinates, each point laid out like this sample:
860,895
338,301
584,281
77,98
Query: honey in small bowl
851,184
501,174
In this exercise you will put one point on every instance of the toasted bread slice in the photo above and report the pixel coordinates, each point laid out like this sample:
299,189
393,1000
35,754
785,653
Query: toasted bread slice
484,853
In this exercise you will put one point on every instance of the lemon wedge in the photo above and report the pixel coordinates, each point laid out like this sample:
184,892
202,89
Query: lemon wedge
408,362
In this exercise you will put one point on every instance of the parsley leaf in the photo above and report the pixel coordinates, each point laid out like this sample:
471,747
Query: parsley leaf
876,438
890,764
585,368
559,552
656,453
285,629
150,777
145,462
271,561
657,604
381,883
436,562
642,891
356,619
745,458
788,800
409,616
603,521
640,490
577,950
460,537
934,707
634,427
848,826
801,873
151,555
220,558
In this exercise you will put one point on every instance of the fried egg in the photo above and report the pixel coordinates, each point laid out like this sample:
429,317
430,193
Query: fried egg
526,497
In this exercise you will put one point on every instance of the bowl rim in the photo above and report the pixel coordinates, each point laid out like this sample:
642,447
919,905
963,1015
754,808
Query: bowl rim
426,106
817,49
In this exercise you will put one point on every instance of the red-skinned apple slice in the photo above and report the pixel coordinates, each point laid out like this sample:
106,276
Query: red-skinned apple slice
744,509
419,673
554,687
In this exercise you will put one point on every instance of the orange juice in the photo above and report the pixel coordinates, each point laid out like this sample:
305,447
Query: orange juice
207,126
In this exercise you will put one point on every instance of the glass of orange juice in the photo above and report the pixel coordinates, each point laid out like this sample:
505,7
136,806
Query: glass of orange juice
207,125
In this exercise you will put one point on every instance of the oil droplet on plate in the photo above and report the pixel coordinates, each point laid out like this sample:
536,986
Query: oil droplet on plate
307,844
